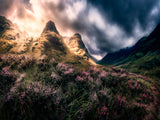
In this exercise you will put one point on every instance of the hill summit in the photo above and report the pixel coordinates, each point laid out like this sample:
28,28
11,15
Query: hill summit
76,45
50,27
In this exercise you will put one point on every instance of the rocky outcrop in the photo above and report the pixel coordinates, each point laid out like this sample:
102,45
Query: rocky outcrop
76,45
5,24
50,27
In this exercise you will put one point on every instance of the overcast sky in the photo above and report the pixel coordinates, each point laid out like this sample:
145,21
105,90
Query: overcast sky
105,25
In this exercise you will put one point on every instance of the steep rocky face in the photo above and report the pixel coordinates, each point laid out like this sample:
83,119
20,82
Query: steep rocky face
4,24
50,42
76,45
50,27
76,41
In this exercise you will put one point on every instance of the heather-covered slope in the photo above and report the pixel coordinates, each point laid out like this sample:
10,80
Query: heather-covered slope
45,89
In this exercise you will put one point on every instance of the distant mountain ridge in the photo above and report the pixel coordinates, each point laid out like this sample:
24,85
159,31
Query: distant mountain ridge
119,56
143,57
144,45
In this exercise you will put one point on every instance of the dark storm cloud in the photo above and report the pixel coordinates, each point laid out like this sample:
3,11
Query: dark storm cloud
101,41
127,12
27,4
5,6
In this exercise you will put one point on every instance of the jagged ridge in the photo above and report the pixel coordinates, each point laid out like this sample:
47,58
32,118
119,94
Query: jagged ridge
49,43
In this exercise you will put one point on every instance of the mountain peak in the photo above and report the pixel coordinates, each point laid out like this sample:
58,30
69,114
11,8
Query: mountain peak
77,39
77,46
50,26
77,35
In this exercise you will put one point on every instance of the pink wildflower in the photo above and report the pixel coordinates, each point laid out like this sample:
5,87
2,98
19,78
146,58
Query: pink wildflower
23,94
90,78
134,84
131,84
115,74
123,75
121,99
85,73
104,110
98,82
36,90
103,92
69,71
94,70
62,66
103,74
138,99
145,95
79,78
95,95
143,77
9,97
55,76
53,60
5,71
54,92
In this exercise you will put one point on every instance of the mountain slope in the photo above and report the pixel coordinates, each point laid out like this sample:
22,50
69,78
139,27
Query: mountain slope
54,45
121,56
4,25
143,57
49,43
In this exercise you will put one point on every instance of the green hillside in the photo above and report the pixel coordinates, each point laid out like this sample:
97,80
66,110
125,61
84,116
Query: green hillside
143,58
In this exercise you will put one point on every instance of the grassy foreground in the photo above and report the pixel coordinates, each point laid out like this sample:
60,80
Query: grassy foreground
43,89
